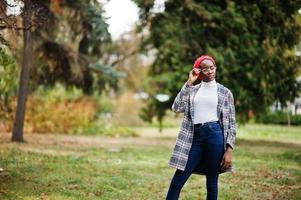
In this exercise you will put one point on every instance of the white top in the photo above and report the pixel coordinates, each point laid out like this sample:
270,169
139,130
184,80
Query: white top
205,103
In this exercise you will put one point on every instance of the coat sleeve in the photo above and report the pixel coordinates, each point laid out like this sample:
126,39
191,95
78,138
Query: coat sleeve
182,99
232,122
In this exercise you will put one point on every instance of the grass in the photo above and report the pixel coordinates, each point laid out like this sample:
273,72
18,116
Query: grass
267,159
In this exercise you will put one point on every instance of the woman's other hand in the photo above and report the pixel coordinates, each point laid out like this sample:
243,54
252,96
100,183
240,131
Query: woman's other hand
227,159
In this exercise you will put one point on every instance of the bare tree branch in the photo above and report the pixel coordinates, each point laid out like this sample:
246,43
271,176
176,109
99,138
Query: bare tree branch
16,28
123,58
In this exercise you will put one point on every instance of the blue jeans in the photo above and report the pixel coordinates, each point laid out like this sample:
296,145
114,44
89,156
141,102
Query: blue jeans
208,142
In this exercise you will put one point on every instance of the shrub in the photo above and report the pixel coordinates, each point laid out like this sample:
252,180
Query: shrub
279,117
58,110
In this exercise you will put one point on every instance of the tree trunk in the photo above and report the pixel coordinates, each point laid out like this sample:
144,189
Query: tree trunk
17,134
288,114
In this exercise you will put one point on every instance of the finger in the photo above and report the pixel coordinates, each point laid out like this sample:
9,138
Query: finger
222,162
228,162
227,165
196,70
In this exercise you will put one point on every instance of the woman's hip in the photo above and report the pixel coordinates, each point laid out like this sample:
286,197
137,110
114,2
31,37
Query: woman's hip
208,132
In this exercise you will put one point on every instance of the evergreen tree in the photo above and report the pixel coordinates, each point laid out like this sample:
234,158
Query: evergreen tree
252,41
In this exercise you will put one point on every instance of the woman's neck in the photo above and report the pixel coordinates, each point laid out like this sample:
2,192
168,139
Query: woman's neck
209,83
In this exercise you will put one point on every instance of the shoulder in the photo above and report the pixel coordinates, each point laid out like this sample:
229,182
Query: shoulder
225,90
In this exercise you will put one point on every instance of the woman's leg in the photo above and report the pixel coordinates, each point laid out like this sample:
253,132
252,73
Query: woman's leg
180,177
214,152
212,187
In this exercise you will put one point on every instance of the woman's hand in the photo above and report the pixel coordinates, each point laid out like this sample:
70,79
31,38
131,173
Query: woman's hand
227,159
193,75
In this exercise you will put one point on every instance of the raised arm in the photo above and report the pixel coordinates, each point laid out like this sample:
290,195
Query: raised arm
182,99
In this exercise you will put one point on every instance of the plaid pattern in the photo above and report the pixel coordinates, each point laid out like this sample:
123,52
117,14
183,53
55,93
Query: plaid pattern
225,112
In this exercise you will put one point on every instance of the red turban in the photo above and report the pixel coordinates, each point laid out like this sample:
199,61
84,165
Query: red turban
199,60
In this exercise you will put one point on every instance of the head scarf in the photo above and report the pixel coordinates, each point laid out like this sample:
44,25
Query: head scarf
200,59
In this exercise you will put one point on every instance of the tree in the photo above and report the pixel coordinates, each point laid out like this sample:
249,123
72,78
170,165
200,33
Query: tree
75,47
77,62
17,135
252,41
29,19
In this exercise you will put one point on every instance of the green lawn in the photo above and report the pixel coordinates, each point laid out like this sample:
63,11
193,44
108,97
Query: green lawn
267,159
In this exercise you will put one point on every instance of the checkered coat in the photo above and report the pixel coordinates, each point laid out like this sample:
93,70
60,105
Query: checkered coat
225,112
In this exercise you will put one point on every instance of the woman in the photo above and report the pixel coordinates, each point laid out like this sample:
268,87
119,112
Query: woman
207,136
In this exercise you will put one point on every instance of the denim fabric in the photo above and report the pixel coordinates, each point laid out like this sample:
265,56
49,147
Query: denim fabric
207,145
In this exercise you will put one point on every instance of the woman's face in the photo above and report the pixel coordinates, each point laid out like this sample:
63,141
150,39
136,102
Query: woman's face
208,70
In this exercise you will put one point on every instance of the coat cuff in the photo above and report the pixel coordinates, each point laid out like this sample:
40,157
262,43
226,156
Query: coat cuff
186,88
230,144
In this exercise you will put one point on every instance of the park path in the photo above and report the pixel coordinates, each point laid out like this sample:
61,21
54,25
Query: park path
64,144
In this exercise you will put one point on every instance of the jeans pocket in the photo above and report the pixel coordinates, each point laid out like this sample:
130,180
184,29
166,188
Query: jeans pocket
215,127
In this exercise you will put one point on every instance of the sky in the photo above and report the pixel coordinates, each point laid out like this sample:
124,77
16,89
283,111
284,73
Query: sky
123,14
16,9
